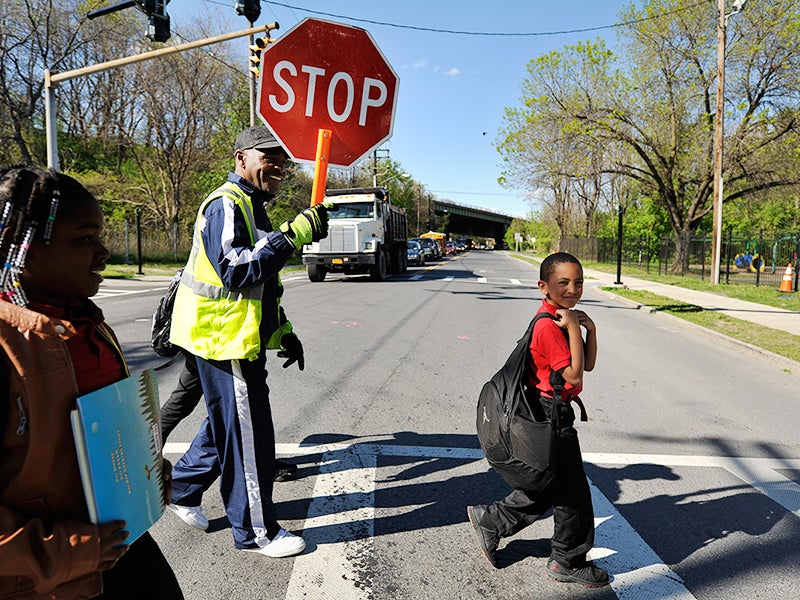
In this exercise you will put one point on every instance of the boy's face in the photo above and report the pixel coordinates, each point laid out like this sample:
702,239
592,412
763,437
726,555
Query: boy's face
69,266
565,285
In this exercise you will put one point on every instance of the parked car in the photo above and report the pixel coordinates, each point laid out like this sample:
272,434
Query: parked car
429,246
416,254
436,251
450,247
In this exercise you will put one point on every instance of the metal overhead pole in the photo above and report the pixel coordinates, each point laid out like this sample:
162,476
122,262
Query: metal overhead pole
52,79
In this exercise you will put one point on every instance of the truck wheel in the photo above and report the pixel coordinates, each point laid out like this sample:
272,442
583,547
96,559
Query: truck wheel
403,261
377,271
316,273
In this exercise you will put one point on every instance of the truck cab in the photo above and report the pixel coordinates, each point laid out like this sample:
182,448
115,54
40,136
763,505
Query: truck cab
366,234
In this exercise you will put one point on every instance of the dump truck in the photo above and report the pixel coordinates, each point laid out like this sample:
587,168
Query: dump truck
366,234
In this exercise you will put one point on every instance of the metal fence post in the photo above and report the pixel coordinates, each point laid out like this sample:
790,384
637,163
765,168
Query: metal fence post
760,257
703,259
728,261
139,237
796,258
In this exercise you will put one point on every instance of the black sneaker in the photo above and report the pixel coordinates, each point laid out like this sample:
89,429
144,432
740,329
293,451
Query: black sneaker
588,575
284,471
489,539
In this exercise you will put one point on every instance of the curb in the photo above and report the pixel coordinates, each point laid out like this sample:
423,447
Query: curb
787,363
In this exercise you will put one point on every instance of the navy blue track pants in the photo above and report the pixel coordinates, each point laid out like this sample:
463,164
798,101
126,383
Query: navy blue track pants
236,443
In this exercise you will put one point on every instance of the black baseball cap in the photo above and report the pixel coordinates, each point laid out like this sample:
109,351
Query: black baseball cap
258,137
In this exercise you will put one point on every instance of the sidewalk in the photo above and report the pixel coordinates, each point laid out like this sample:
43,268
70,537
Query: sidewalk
761,314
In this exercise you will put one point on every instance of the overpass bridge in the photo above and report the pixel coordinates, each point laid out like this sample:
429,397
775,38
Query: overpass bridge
471,221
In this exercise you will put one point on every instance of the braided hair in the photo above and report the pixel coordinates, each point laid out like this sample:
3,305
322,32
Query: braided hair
30,201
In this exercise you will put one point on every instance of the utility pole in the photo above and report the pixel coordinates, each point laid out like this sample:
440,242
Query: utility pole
719,126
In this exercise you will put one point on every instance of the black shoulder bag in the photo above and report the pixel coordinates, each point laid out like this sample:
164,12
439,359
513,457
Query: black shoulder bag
517,438
162,321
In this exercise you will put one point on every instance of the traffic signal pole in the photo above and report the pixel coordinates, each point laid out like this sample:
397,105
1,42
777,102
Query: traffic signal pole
51,80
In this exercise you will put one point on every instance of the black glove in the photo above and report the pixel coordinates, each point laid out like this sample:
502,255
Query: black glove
293,350
311,225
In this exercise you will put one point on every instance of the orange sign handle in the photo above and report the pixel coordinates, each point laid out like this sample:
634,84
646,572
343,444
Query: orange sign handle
321,165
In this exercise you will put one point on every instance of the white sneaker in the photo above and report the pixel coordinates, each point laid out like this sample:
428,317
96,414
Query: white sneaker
282,545
191,515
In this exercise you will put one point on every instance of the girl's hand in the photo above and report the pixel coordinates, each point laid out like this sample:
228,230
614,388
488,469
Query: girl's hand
112,535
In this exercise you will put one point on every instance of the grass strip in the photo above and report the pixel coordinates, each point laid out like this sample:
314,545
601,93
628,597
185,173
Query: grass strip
773,340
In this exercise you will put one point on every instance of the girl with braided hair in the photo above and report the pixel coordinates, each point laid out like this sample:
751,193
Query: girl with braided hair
54,347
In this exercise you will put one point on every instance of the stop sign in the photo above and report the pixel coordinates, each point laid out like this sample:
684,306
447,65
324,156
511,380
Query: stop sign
323,75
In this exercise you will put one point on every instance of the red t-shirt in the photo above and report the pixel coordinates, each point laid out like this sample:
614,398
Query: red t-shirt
95,360
550,350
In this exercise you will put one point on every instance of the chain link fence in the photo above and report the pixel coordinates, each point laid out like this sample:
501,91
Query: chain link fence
757,259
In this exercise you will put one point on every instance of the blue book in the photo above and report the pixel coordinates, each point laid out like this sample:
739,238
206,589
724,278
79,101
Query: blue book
118,440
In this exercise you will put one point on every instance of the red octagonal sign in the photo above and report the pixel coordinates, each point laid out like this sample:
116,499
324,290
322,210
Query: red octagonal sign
323,75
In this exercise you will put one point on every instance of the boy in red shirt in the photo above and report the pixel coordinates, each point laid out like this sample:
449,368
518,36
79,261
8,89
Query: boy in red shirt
555,346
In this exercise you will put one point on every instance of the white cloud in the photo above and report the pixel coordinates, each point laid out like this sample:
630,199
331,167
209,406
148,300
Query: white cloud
451,72
420,64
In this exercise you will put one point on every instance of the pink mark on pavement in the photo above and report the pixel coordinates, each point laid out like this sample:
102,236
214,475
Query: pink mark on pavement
463,337
345,323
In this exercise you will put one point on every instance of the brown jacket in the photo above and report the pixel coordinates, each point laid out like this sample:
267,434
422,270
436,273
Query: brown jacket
48,547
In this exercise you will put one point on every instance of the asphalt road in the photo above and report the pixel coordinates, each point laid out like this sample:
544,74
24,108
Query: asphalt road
691,448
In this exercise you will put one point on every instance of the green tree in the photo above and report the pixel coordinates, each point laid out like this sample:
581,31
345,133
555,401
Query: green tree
658,104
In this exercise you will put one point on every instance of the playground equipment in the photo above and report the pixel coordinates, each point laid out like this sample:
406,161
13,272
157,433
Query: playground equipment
749,260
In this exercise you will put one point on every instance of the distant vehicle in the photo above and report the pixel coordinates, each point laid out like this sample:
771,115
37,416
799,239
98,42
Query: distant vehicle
439,238
461,246
415,253
430,247
466,241
450,247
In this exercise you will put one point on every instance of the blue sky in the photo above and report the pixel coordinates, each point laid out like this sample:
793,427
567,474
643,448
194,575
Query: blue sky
453,88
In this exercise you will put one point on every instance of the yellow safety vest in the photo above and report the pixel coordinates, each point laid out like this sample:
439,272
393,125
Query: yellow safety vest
213,322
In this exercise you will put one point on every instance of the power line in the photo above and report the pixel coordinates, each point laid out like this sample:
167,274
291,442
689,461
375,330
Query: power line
486,33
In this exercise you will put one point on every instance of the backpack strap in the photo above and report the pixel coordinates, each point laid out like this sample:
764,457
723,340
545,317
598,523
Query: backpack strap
556,379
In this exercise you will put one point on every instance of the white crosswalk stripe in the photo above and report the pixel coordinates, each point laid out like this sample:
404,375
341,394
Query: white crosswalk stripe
638,572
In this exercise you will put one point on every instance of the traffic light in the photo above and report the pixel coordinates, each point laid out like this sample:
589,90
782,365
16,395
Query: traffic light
255,53
155,11
249,8
157,19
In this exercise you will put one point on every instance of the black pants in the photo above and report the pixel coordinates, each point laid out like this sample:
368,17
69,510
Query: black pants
143,573
570,499
183,399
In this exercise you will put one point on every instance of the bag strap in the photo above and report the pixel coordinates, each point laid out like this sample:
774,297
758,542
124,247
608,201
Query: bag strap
556,379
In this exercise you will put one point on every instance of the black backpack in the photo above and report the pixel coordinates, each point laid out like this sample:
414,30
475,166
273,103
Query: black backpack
162,321
517,437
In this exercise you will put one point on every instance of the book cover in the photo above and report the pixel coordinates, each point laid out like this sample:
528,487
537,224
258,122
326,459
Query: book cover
118,440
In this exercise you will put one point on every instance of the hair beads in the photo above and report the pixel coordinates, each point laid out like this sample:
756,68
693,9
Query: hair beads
10,284
48,226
